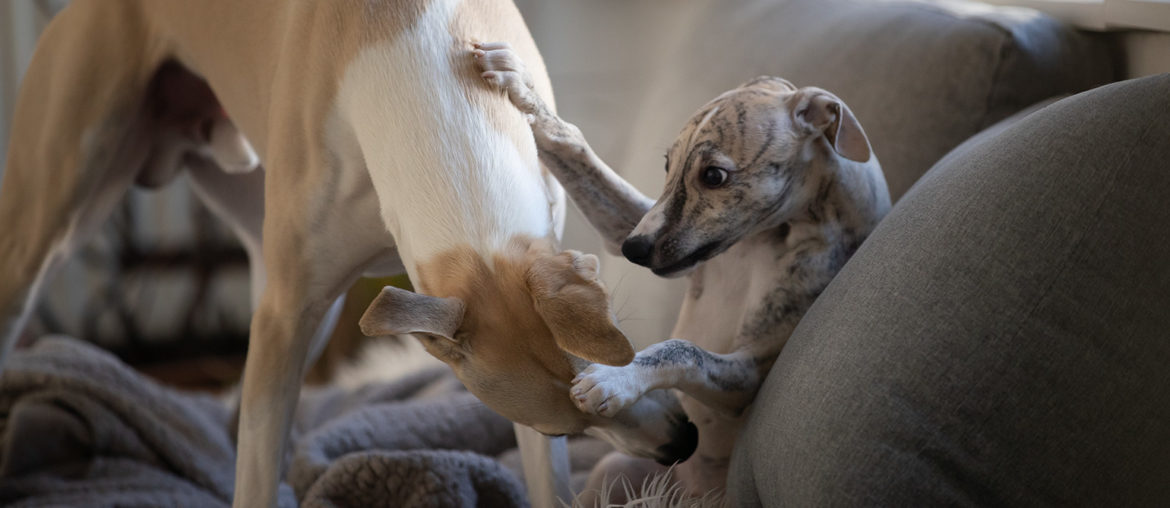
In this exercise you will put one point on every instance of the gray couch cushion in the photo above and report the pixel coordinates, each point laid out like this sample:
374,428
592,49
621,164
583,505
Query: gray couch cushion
1001,339
921,77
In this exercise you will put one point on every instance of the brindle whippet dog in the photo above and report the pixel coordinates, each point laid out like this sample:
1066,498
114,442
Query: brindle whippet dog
770,189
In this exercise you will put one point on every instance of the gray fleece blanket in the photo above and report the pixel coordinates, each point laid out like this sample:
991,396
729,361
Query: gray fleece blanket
79,428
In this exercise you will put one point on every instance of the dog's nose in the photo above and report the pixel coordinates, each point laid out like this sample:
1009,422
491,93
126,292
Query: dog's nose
638,249
681,445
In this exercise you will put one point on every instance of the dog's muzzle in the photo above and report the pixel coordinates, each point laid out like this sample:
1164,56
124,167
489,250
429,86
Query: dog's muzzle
638,249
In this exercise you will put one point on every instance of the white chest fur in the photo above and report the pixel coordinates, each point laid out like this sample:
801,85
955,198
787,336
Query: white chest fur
447,171
722,293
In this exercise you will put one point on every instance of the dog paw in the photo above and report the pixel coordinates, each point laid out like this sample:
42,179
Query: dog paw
604,390
503,70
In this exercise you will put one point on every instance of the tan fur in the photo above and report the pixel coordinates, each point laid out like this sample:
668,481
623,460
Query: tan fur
398,311
550,298
511,352
80,138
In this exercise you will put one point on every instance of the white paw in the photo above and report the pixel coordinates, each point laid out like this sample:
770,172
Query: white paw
503,70
606,391
499,64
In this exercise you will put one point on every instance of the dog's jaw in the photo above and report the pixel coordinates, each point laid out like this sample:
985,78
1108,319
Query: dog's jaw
687,264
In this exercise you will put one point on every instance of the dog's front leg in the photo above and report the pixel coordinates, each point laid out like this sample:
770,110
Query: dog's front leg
725,382
281,331
307,270
612,205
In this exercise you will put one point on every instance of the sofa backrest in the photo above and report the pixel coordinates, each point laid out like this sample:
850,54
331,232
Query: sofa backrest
921,77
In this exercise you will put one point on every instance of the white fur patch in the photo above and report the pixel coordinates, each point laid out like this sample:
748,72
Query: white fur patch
445,175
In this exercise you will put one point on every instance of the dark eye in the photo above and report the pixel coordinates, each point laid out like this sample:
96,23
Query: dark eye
713,176
666,166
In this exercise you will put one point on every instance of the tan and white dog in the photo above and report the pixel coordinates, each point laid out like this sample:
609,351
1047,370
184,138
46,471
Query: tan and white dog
770,189
382,151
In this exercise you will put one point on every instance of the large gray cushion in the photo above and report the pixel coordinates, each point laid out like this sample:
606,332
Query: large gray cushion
1003,338
921,77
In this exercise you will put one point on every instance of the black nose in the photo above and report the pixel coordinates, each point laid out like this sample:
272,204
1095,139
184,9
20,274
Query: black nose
681,445
638,249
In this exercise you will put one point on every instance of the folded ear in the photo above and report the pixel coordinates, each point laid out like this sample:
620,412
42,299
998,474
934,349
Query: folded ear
575,308
397,311
820,112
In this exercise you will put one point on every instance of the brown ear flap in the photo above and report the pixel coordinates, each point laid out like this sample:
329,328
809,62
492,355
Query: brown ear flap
576,309
397,311
821,112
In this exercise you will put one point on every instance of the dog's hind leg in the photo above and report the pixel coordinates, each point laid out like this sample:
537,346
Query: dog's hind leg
75,147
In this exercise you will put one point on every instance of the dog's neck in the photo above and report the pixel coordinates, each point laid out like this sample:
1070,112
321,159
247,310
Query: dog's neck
481,200
470,177
853,193
454,165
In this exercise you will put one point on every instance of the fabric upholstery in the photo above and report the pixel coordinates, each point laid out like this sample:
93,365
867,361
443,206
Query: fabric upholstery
1001,339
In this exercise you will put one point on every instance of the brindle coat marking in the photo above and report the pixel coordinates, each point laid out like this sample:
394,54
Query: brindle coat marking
800,192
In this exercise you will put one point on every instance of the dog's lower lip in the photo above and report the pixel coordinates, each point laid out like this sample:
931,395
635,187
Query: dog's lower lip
701,254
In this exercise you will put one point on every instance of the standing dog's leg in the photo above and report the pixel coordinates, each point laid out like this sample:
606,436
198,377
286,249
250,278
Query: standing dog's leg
611,204
77,143
307,270
545,461
237,199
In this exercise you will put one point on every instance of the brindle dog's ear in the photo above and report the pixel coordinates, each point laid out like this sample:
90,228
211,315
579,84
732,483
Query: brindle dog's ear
820,112
568,296
397,311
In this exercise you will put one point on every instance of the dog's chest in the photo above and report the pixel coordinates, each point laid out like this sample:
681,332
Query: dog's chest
722,293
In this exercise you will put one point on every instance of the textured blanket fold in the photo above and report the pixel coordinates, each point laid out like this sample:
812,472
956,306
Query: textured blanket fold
79,428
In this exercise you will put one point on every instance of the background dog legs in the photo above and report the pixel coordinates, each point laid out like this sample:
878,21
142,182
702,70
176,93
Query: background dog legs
546,467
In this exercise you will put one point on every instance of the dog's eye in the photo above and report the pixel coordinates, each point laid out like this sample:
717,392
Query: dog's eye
713,177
